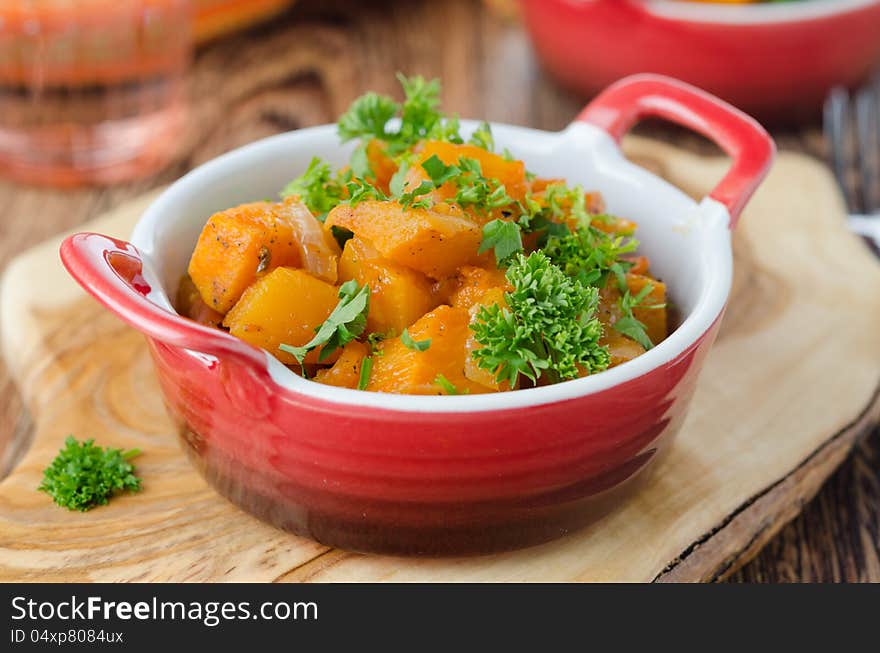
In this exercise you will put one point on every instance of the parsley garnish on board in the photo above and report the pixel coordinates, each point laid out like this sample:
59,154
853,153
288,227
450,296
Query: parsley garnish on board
83,475
347,321
548,327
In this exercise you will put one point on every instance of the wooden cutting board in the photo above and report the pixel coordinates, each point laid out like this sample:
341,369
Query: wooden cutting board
791,384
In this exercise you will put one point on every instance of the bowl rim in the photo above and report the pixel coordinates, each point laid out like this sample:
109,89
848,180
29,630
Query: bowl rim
759,13
711,218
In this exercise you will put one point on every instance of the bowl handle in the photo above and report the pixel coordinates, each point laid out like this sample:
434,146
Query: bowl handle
624,103
111,271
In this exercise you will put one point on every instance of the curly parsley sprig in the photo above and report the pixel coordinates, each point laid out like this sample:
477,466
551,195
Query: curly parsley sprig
83,475
548,328
590,254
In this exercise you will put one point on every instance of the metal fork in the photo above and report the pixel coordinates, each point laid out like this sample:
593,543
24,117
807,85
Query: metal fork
852,128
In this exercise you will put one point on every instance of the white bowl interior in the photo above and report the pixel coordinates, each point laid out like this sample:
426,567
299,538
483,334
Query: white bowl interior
688,243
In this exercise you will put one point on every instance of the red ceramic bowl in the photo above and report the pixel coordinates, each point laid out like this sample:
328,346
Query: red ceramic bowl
770,59
436,475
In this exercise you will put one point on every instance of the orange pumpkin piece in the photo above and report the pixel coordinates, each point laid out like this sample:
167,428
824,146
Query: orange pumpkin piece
234,246
435,242
493,166
620,347
539,184
282,307
381,164
641,265
472,371
190,304
398,296
594,204
346,372
654,319
473,282
398,369
614,225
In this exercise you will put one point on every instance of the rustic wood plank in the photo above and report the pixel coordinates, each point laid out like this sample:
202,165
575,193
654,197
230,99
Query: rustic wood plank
302,70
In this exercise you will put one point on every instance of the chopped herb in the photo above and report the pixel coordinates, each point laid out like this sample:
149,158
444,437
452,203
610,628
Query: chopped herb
415,345
317,188
438,171
590,254
482,137
545,228
420,118
360,164
367,118
476,190
564,202
408,199
627,324
398,181
419,115
447,386
83,475
549,326
366,370
446,130
360,190
344,324
504,237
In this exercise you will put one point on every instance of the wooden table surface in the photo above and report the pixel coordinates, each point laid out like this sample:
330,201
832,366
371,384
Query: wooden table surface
304,69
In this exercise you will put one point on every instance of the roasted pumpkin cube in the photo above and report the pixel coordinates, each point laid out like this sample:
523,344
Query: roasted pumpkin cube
381,164
620,346
285,306
398,369
355,253
435,242
235,246
473,282
346,371
472,370
398,296
654,319
190,303
512,174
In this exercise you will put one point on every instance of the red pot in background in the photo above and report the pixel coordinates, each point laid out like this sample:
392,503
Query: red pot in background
769,59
